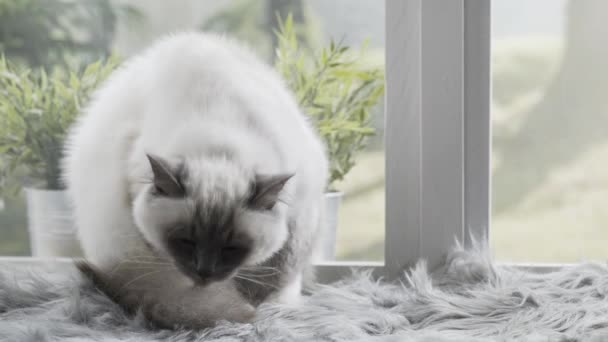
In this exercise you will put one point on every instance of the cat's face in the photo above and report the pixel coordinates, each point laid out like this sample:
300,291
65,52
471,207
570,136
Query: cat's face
211,230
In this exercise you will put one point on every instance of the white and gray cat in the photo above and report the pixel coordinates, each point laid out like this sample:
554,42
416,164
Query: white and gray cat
197,184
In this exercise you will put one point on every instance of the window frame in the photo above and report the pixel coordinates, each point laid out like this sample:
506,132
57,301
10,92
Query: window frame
437,133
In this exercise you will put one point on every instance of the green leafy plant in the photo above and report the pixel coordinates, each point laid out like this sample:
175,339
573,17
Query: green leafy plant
336,89
332,86
36,110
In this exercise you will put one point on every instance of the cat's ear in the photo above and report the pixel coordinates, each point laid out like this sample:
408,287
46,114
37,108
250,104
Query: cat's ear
165,182
267,189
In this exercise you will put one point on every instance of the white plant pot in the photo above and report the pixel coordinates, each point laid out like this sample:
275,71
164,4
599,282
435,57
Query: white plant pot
51,228
327,248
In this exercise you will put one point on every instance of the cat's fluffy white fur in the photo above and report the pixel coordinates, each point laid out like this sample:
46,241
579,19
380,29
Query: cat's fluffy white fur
188,94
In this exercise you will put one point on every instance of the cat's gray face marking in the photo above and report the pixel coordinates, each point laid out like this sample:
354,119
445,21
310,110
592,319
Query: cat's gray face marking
209,247
211,243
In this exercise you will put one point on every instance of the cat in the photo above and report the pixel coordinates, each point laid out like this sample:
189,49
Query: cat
197,184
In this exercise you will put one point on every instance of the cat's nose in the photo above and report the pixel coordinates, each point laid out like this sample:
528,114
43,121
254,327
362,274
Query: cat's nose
205,269
204,273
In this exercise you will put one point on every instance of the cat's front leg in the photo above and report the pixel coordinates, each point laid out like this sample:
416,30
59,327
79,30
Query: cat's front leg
168,298
198,307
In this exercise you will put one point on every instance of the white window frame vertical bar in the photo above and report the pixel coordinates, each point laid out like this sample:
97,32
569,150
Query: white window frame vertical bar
425,131
442,128
477,128
438,128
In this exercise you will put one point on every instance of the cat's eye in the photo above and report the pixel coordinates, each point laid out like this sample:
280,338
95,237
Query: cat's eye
186,242
233,251
269,207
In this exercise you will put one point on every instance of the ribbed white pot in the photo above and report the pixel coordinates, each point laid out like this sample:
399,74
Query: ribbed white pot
51,228
327,250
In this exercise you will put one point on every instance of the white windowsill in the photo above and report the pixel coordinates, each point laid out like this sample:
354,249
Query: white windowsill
327,271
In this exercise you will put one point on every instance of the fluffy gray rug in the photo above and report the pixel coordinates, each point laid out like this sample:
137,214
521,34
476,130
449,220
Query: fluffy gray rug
469,299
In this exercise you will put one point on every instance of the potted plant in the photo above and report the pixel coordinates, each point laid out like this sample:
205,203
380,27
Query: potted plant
337,90
36,109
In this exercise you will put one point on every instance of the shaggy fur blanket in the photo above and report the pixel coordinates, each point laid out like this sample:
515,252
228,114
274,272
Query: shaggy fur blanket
468,299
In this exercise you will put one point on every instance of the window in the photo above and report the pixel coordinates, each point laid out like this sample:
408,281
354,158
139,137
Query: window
127,27
437,130
548,143
549,146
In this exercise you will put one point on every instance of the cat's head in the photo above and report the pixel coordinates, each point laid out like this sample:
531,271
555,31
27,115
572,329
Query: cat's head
211,218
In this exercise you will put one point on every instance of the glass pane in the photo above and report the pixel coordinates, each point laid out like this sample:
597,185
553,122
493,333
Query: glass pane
103,27
550,132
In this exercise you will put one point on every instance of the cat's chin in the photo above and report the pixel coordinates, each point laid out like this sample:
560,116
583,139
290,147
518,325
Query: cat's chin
199,281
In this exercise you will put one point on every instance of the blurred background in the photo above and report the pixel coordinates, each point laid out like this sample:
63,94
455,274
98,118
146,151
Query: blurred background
549,111
70,34
550,130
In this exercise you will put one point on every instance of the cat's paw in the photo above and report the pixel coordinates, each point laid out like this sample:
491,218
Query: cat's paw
164,317
158,315
241,314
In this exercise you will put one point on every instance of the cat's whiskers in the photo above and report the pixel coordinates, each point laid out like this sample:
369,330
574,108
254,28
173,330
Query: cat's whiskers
126,286
123,264
260,267
144,268
150,263
142,180
258,274
255,281
254,276
260,270
145,256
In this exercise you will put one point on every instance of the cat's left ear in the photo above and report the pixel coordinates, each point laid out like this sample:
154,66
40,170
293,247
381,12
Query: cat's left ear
165,182
267,189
